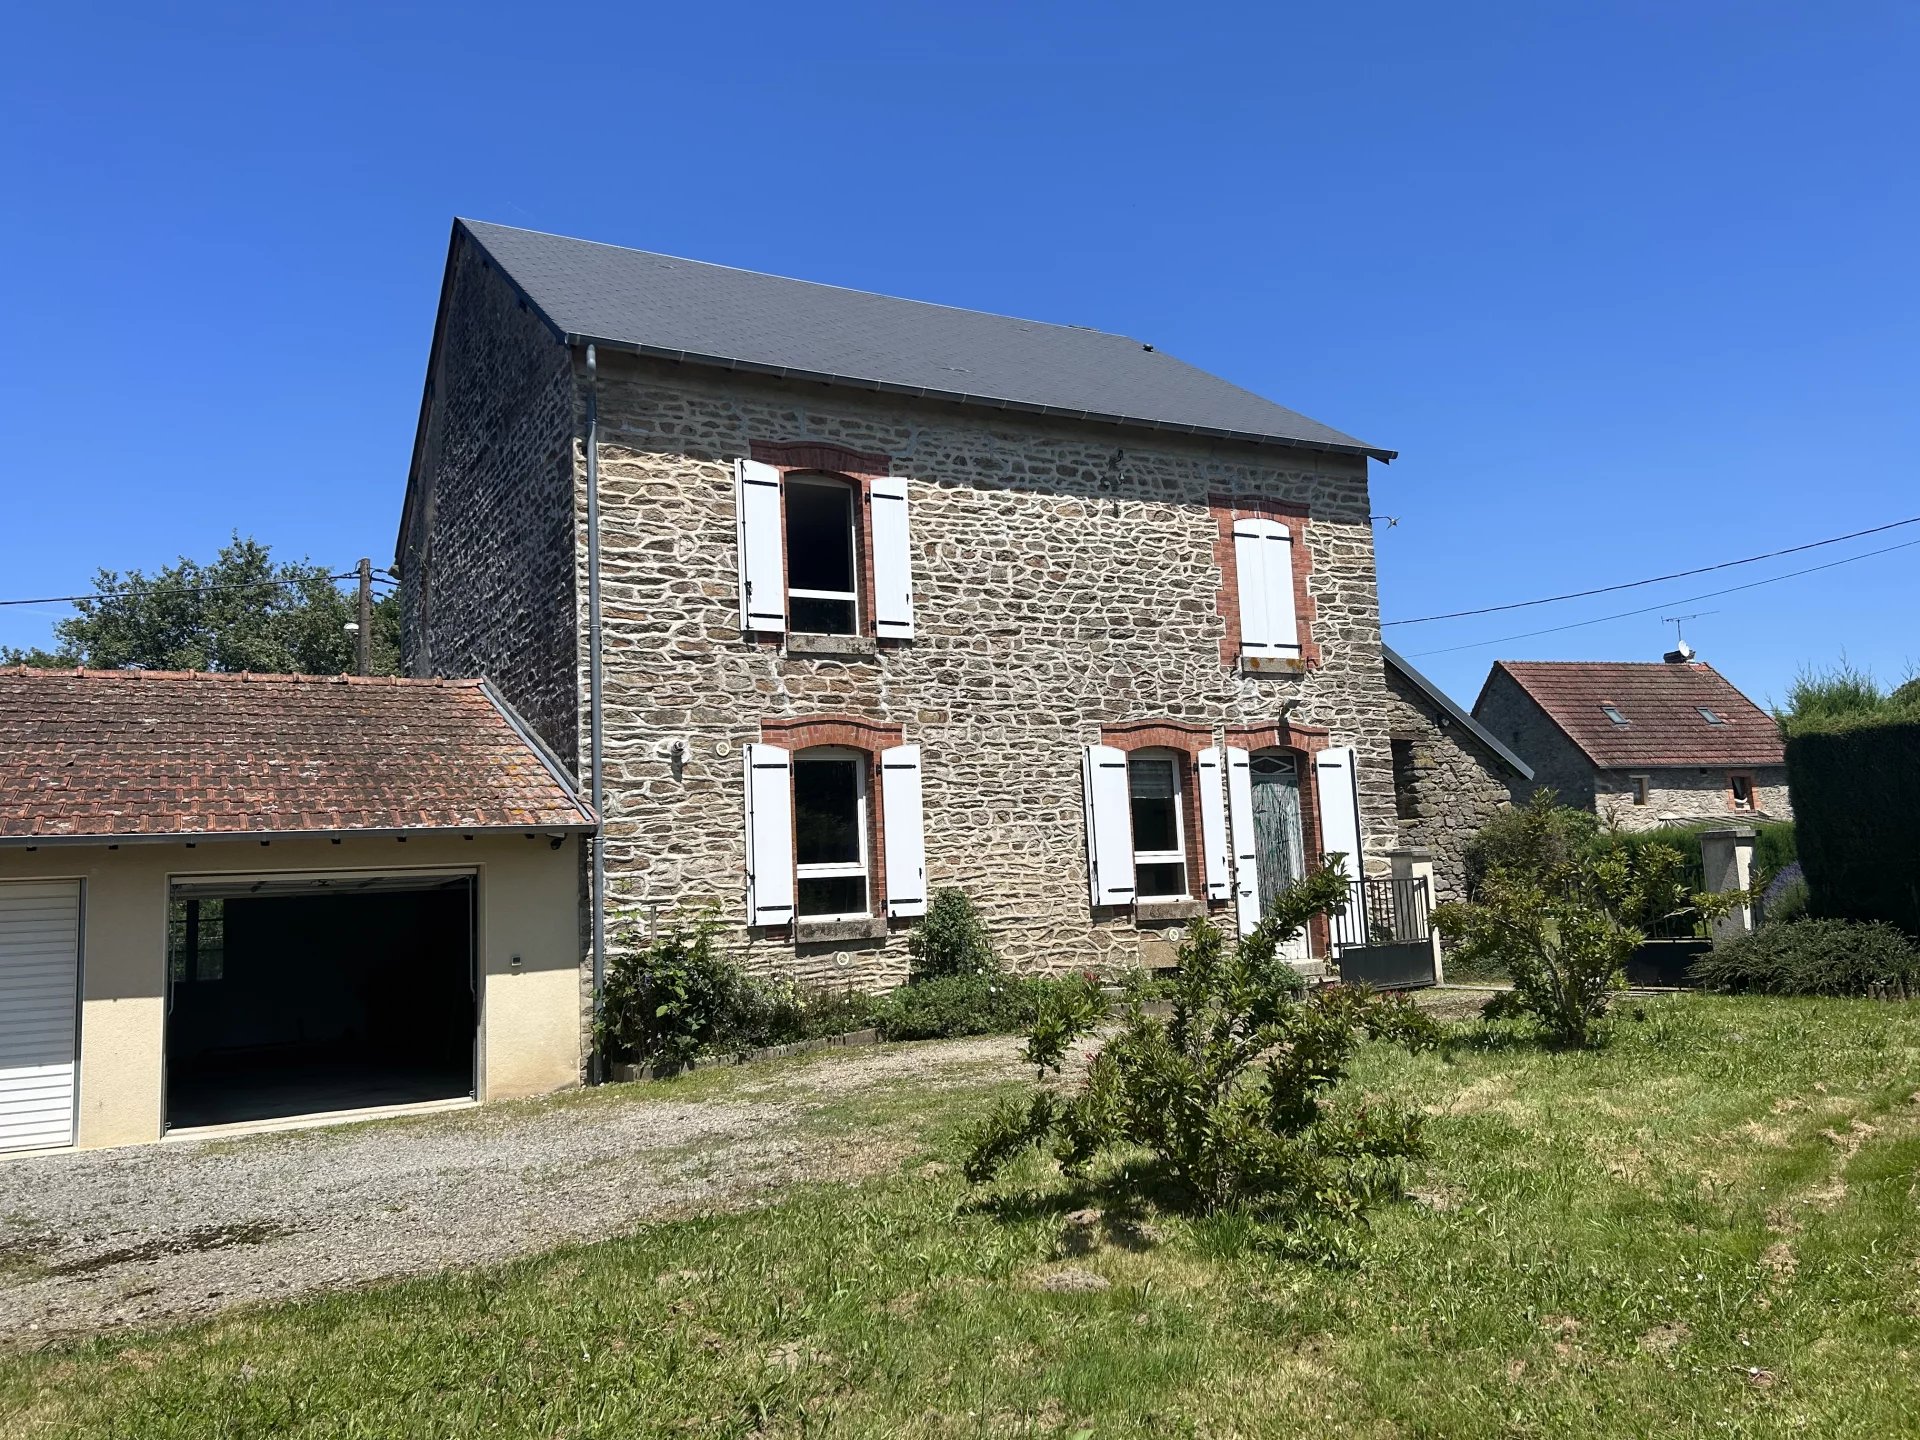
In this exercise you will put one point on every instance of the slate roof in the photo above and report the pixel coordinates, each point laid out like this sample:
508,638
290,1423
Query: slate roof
1661,703
1445,702
705,314
126,755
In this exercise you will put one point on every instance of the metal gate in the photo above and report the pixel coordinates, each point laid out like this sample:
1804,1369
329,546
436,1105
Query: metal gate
1384,937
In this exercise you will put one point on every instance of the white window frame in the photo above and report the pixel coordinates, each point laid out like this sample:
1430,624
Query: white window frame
863,867
1177,856
821,481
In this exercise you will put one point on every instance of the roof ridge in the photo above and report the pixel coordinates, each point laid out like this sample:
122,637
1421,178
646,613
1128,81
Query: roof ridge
237,677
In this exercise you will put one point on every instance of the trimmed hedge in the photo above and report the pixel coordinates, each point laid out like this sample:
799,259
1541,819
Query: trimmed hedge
1814,957
1856,805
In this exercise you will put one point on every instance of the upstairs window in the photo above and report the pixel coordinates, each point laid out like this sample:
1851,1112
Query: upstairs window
830,833
1159,827
823,589
1710,717
1639,784
1612,712
1741,788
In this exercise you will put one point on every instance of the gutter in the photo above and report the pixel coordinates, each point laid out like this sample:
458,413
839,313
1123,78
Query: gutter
215,837
596,1063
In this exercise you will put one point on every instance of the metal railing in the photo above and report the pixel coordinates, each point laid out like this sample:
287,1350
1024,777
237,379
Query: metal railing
1385,911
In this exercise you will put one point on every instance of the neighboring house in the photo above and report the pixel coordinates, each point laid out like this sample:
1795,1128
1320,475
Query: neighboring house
1640,744
245,898
895,597
1450,773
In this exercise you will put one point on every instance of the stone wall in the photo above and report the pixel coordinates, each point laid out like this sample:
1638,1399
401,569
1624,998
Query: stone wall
1686,794
486,557
1065,579
1451,786
1558,764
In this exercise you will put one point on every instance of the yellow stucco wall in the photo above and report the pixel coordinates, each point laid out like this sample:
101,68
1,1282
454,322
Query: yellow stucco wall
529,907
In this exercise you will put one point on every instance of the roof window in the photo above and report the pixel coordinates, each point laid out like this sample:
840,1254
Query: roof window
1612,712
1709,716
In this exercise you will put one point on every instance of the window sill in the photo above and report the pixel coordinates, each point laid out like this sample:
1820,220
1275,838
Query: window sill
844,646
1271,665
816,932
1169,909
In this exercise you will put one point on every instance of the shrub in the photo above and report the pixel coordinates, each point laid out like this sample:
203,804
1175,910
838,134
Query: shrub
1856,802
973,1004
1785,897
1563,920
1814,957
673,998
1226,1094
1513,842
951,939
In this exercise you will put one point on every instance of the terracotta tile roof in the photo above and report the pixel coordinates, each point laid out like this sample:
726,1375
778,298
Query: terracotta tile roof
1661,704
127,754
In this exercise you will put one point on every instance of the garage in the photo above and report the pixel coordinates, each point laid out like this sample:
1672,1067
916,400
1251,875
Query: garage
294,996
249,901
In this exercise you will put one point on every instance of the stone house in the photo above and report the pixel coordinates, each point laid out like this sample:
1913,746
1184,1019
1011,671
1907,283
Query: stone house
1450,773
874,597
1641,744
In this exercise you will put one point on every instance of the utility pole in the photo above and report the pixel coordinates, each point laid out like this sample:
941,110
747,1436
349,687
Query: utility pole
363,637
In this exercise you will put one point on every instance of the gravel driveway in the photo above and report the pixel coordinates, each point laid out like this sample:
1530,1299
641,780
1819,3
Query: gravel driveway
95,1240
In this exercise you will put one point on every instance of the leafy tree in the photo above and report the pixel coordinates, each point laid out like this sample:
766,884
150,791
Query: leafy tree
1843,692
1226,1094
1563,920
241,612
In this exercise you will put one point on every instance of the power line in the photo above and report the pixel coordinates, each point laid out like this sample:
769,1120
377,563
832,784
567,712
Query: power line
1656,580
1686,600
172,588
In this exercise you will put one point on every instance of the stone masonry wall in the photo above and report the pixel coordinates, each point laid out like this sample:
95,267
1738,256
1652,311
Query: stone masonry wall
1064,579
1457,783
487,565
1689,794
1558,764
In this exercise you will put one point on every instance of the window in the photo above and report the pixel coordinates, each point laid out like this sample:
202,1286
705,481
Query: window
1612,712
830,834
1159,831
1639,786
196,940
1405,781
822,570
1741,787
1709,716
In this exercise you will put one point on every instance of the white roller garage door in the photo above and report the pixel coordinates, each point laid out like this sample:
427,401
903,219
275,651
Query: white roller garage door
39,989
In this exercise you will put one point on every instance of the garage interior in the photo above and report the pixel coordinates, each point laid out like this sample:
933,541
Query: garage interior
293,996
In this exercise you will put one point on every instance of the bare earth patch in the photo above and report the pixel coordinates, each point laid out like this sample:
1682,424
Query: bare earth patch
100,1239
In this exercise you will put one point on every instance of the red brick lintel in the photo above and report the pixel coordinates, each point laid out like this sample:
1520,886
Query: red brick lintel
820,455
1157,734
805,732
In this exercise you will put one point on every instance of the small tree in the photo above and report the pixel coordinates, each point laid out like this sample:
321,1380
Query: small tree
951,939
1227,1093
1564,919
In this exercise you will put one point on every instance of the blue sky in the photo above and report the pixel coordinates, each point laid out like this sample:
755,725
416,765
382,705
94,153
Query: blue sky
1630,287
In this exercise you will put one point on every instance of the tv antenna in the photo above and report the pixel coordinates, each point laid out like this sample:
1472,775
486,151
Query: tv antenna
1682,651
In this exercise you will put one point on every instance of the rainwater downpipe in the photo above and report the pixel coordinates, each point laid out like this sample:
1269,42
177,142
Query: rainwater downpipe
596,1067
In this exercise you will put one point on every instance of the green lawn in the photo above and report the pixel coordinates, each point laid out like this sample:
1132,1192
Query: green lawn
1711,1228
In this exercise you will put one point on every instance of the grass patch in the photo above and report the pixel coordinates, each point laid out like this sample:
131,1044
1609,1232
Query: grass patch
1710,1227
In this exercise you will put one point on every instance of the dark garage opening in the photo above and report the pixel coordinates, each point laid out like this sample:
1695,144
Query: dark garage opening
291,997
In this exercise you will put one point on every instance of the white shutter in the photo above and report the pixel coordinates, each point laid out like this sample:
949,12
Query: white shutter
1246,859
769,835
1213,825
1339,807
892,560
1263,562
763,570
900,812
1109,826
39,980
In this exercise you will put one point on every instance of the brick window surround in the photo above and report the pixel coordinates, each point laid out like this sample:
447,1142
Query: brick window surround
1187,741
1225,510
859,468
1305,742
848,732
